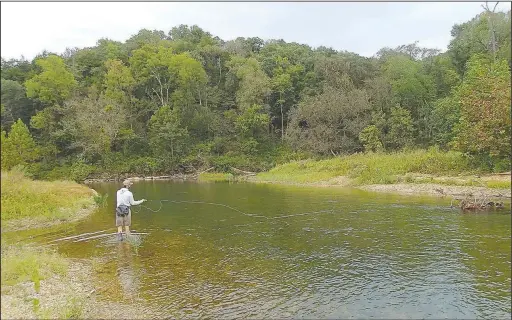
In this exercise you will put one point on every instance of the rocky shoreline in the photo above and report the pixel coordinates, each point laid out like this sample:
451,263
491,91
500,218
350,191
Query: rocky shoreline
432,189
179,176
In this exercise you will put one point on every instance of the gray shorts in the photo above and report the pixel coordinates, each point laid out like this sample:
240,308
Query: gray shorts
125,221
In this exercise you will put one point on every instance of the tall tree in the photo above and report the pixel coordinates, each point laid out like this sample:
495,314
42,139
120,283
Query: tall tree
167,135
54,84
94,123
484,97
15,102
18,148
118,81
401,128
488,33
330,123
413,90
253,83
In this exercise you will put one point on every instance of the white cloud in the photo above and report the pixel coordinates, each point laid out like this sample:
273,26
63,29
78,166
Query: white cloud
359,27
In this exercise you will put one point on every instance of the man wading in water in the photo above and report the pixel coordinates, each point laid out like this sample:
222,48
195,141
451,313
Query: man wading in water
123,212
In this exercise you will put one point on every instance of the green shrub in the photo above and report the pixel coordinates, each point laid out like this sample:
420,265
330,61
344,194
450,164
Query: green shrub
145,165
101,200
216,177
79,171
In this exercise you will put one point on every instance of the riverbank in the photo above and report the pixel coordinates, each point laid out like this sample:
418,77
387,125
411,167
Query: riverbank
179,177
431,172
38,283
457,187
28,203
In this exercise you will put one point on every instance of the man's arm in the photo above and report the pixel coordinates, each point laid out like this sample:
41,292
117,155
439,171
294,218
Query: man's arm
133,202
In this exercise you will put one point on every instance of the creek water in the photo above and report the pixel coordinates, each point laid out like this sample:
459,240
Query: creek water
294,252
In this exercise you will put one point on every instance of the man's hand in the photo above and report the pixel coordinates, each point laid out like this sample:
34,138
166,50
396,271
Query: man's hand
144,200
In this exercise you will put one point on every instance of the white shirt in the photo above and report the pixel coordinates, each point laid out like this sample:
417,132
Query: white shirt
125,196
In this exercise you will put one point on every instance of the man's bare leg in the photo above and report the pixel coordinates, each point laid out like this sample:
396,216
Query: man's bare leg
127,230
120,233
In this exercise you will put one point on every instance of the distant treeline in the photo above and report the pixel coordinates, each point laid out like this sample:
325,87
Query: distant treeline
183,100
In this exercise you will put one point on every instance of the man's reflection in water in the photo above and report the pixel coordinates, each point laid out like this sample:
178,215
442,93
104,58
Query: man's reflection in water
126,271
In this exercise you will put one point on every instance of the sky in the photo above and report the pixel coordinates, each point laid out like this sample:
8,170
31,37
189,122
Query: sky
360,27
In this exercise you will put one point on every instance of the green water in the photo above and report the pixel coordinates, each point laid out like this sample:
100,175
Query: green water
308,253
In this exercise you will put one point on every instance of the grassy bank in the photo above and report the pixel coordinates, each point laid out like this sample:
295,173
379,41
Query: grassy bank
38,283
419,166
216,177
26,274
27,203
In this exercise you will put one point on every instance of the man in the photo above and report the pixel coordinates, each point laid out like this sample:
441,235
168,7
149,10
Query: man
123,212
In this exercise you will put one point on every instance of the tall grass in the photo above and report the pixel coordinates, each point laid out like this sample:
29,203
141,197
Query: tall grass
22,197
369,168
21,264
101,199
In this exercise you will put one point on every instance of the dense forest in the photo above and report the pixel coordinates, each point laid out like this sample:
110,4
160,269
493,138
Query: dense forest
187,100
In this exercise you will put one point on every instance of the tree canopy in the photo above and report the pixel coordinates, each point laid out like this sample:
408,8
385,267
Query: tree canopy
187,98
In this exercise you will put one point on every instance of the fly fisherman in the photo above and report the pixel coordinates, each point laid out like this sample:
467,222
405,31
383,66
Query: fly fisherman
123,212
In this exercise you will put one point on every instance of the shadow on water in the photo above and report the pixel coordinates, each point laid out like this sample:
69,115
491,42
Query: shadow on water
291,252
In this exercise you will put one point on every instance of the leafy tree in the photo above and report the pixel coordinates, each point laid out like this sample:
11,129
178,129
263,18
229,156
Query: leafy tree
150,67
330,123
87,66
414,90
253,83
358,69
119,81
188,38
443,73
484,97
166,133
93,123
252,122
401,128
111,50
445,116
191,77
3,154
144,37
282,83
477,37
252,125
411,51
213,59
15,102
54,85
18,148
369,137
17,70
162,73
